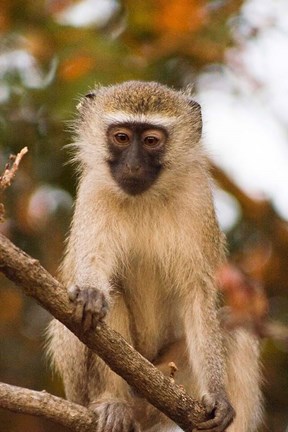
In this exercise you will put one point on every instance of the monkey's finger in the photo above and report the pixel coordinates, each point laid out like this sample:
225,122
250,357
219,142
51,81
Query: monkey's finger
79,311
215,425
95,321
103,311
99,309
209,402
87,320
91,311
73,291
212,428
99,302
219,423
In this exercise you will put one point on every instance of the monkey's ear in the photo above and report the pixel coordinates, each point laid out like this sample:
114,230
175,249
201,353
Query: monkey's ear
195,105
196,109
88,97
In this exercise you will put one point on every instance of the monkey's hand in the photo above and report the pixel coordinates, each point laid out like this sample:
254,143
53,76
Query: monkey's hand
115,416
222,411
91,305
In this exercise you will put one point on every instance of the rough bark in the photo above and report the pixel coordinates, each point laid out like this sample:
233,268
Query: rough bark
159,390
58,410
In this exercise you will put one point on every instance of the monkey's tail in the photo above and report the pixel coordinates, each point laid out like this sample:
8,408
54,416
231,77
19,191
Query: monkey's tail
244,380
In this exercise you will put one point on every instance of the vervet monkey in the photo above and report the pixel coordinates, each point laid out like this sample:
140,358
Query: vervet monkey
142,254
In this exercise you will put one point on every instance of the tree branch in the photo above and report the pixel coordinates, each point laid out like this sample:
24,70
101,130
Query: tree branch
121,357
58,410
260,212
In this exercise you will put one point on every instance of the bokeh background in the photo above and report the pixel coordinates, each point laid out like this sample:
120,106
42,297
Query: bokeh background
236,55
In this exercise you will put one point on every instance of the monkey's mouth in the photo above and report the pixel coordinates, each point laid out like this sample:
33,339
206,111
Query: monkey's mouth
134,185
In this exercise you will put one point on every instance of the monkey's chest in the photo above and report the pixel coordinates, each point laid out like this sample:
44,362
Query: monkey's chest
154,311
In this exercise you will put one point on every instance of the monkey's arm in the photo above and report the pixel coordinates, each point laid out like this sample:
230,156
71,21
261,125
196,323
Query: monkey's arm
89,270
89,262
89,289
206,353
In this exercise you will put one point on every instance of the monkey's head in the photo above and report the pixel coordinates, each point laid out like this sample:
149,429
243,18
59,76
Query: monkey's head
138,131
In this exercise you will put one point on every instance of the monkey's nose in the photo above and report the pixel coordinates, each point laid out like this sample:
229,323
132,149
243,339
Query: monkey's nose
133,169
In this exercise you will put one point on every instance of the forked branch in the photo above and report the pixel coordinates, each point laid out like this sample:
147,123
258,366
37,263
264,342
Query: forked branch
36,282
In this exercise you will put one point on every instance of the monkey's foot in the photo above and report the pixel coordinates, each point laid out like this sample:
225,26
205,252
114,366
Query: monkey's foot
115,416
223,413
91,305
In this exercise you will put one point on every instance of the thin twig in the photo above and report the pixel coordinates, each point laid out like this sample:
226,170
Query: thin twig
9,174
10,170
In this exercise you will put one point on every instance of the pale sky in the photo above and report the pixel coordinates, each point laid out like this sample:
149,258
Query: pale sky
245,106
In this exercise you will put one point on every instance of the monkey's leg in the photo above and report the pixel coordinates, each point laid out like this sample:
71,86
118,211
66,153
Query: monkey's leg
244,380
69,358
242,383
207,354
149,417
108,394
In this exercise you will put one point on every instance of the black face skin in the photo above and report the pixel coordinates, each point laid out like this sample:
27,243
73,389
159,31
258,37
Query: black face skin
136,153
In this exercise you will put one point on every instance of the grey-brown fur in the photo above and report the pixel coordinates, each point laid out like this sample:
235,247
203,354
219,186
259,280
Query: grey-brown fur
153,256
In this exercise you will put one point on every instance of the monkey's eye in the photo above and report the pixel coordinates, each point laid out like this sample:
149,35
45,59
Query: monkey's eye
153,139
121,138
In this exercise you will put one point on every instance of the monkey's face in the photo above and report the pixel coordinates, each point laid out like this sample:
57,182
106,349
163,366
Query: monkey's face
135,155
138,136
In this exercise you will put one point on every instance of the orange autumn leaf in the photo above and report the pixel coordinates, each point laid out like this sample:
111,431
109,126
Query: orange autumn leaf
74,68
180,17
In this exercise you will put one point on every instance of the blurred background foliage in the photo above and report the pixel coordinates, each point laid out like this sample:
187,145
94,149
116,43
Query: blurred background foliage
53,51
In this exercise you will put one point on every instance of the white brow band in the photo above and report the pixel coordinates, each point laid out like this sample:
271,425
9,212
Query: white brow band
155,119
